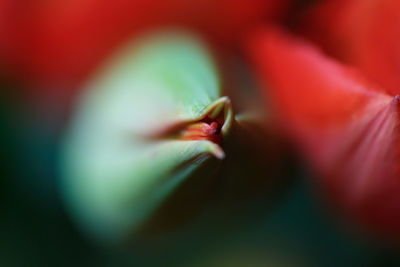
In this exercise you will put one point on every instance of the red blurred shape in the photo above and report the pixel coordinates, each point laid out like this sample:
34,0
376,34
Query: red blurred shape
363,33
346,126
60,42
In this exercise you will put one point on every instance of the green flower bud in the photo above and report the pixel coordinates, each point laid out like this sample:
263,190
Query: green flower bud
147,138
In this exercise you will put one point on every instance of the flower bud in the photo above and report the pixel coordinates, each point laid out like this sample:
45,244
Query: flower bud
147,138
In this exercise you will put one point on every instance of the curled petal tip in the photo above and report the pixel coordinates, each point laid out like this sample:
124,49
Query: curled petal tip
218,152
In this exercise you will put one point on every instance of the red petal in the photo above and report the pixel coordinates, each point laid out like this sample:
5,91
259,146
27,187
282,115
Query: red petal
61,41
347,127
52,46
364,33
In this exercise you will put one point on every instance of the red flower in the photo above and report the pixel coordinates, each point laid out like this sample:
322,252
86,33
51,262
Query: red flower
344,123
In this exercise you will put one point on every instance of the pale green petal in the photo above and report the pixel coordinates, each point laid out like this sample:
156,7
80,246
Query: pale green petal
113,188
159,81
115,175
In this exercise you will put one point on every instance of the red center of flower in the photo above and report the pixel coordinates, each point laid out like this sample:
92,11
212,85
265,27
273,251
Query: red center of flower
209,130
